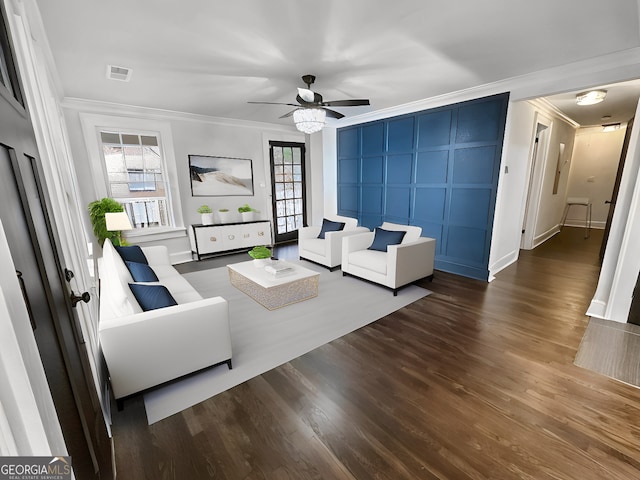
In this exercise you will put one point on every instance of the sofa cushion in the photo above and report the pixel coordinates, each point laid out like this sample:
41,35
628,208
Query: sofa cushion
373,260
330,226
116,299
152,297
132,253
179,287
384,238
412,234
315,245
141,272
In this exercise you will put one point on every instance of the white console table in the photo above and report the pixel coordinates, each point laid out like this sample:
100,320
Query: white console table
218,238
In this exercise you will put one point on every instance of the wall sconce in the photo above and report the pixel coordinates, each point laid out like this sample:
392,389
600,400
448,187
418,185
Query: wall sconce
591,97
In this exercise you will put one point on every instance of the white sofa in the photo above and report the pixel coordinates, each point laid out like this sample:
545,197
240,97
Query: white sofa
326,251
143,349
400,265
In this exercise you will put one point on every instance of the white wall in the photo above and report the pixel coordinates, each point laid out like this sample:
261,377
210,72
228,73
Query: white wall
593,171
512,186
550,205
621,262
190,134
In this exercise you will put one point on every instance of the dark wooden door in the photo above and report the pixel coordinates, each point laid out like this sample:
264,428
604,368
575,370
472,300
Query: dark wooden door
616,188
24,210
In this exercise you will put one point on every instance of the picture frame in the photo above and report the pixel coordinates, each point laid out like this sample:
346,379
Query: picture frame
213,176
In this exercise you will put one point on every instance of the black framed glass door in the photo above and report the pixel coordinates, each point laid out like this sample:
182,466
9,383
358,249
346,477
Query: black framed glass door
288,189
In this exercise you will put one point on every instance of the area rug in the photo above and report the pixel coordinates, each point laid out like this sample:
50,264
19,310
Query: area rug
263,339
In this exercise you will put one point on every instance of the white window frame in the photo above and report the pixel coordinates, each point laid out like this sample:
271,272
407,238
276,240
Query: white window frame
93,124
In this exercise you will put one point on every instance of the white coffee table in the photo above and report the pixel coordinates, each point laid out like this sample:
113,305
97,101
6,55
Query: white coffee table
273,292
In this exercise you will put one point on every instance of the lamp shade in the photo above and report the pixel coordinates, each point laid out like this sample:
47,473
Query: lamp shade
117,221
309,120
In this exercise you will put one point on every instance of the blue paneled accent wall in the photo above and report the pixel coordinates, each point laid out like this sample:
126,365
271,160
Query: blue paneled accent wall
437,169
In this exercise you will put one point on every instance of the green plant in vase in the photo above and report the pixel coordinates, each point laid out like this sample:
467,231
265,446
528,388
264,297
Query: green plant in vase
259,253
97,210
206,214
247,212
245,208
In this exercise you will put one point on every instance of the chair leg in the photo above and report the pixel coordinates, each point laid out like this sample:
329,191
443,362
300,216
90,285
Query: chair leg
564,216
228,362
587,221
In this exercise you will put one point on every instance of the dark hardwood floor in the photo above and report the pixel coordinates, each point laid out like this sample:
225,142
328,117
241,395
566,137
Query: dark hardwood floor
475,381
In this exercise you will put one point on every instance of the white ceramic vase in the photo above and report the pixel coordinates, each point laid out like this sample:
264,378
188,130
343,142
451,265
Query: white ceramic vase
260,262
207,218
247,216
225,217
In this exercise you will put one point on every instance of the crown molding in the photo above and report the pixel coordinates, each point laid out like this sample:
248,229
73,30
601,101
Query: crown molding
124,110
612,68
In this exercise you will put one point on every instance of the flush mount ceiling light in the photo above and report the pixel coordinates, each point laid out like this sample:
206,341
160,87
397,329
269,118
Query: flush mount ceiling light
309,120
591,97
610,127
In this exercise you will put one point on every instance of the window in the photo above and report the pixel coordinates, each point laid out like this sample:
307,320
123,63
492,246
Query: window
135,176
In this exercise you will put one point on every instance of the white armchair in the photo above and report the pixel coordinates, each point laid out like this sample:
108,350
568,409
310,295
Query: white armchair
326,251
400,265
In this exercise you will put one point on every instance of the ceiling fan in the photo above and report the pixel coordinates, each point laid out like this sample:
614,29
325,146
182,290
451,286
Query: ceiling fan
311,109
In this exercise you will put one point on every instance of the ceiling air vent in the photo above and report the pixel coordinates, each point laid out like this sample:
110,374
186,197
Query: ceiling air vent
122,74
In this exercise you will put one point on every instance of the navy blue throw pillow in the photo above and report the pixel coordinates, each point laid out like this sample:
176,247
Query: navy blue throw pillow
132,253
384,238
141,272
330,226
152,297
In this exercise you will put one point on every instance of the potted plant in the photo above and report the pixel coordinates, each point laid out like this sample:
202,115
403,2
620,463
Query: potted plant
97,209
260,255
247,212
207,214
224,215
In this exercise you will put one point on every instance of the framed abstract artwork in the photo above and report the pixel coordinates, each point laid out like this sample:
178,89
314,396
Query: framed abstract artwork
220,176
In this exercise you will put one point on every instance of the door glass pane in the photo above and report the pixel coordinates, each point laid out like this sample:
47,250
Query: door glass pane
288,189
279,191
277,155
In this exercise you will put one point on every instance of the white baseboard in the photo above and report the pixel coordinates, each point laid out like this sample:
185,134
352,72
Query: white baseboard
580,224
502,263
540,239
181,257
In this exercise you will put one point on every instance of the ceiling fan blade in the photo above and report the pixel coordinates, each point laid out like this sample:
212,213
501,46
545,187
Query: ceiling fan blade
332,113
347,103
288,114
276,103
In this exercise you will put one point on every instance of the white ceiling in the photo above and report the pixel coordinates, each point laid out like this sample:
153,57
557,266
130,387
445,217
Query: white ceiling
211,57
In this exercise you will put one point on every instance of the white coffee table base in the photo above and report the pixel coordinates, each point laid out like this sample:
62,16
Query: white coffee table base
271,292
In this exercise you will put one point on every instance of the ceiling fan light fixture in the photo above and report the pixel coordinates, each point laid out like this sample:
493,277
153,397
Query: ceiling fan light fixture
309,120
591,97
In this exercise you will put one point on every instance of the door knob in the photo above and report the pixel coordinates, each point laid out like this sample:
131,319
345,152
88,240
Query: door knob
85,297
